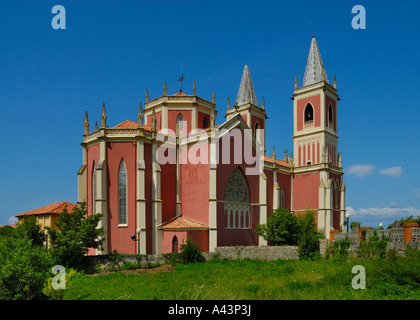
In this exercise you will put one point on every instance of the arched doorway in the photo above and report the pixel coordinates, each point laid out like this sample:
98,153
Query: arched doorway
174,244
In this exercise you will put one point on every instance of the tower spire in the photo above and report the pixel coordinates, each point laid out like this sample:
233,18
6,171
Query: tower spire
246,93
314,71
147,96
103,116
165,89
140,117
86,123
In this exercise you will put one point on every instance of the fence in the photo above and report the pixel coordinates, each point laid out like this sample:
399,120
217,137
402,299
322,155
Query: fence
410,232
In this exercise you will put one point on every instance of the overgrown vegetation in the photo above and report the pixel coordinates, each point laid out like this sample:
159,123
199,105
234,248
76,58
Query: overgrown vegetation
25,263
389,277
285,228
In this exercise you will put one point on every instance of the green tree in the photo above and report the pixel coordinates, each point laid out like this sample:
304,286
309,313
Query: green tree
75,234
281,228
29,229
308,237
24,268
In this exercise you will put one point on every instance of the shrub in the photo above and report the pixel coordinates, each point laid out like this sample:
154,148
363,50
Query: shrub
190,253
308,238
281,228
339,249
375,247
24,268
57,294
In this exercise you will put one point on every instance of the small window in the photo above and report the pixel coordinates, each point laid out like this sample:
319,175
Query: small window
122,194
180,122
309,113
330,117
205,123
257,126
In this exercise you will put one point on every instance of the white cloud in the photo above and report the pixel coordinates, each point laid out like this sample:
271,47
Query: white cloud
386,212
360,170
392,172
12,220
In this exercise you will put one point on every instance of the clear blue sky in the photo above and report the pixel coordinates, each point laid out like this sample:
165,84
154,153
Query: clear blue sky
111,51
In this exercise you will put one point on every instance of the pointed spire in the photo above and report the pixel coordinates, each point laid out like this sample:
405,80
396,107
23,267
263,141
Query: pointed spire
263,103
246,93
103,116
296,83
194,89
213,98
228,103
165,89
147,96
140,117
96,125
314,71
86,123
212,118
335,82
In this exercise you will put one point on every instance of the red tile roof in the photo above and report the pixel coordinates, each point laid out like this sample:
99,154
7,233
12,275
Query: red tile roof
54,208
182,223
127,124
280,162
180,93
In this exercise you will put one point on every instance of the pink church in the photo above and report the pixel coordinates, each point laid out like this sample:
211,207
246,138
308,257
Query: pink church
174,174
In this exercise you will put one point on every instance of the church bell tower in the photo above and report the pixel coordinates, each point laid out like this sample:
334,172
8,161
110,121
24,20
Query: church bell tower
315,140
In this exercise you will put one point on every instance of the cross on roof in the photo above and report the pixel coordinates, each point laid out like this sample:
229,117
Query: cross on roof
181,78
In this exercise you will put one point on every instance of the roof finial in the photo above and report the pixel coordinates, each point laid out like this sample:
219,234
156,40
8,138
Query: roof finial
274,154
140,117
181,78
165,89
96,125
296,83
213,98
335,82
263,103
103,116
212,118
194,89
147,96
228,103
86,123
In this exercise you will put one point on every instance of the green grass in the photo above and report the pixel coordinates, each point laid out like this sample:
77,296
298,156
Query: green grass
392,278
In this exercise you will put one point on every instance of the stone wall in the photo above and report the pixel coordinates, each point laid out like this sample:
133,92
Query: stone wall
255,253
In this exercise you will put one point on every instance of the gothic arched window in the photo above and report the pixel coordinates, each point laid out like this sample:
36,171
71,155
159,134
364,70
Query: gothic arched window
205,123
309,113
330,117
94,189
237,202
122,193
282,198
180,122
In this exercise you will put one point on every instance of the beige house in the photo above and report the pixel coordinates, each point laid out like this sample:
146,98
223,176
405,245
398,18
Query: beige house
48,215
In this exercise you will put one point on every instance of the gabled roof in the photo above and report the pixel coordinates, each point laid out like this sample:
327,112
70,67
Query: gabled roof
246,93
54,208
280,162
314,66
127,124
182,223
